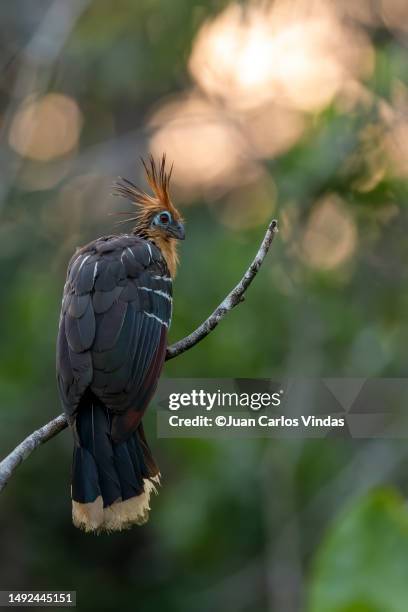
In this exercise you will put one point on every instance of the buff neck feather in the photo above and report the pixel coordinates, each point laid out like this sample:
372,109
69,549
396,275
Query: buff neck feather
169,250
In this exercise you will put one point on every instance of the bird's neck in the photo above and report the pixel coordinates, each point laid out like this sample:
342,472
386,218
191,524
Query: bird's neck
168,248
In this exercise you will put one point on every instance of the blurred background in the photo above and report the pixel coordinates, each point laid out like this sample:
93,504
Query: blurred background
295,109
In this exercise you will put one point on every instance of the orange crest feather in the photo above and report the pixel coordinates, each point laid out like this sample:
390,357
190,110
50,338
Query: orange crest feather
159,182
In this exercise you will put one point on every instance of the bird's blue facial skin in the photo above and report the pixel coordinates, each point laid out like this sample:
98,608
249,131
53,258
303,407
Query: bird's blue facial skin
162,219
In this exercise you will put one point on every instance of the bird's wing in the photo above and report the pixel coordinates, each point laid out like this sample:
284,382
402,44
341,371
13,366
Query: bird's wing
113,330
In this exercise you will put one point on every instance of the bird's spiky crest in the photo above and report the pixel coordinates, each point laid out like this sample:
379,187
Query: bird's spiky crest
148,205
158,179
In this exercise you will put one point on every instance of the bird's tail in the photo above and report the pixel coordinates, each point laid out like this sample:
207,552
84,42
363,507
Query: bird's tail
111,483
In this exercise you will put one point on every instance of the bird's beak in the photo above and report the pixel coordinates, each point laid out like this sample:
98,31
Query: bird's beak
176,230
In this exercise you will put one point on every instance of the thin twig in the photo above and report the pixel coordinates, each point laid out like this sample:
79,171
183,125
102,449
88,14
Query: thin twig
235,297
24,450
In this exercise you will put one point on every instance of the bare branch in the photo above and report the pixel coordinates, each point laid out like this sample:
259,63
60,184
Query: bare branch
235,297
26,447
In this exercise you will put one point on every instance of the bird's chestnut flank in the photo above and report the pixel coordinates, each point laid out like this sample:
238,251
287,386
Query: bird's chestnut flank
115,316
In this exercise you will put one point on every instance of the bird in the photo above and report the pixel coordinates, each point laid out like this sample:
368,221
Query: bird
115,315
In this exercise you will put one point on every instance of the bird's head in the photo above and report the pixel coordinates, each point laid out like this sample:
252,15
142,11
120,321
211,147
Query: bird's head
156,216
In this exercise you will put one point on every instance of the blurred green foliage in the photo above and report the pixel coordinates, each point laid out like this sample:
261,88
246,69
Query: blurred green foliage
355,571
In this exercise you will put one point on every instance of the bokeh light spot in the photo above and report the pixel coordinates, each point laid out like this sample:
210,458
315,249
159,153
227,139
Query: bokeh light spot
330,238
45,128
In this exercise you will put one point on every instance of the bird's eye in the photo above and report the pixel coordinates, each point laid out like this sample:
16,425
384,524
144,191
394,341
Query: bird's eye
164,218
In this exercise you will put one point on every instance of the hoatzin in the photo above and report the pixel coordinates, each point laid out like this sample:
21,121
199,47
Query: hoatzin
116,312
